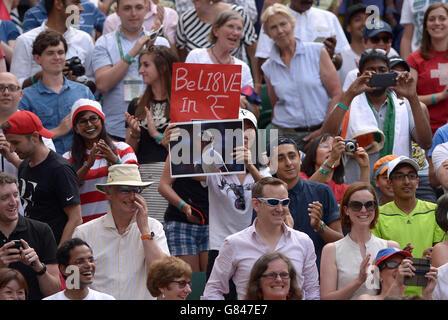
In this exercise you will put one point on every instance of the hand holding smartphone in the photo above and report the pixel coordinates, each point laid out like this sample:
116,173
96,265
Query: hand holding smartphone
422,266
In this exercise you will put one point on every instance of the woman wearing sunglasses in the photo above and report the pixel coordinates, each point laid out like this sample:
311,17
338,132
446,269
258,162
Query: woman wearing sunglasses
344,263
92,152
273,277
169,278
393,269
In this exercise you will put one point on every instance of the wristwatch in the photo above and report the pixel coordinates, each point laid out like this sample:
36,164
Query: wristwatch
41,272
322,228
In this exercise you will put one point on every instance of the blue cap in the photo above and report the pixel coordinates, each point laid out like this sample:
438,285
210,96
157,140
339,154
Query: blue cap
371,32
384,254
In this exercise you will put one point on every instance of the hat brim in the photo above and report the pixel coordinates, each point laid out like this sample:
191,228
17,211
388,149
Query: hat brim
101,187
402,252
410,162
46,133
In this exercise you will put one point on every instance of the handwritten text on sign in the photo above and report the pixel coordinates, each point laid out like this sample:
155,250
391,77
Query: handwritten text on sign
205,91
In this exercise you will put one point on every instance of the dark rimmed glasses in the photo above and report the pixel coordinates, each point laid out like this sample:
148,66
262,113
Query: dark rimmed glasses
92,119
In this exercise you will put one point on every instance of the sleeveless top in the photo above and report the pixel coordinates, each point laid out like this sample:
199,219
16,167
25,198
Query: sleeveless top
348,261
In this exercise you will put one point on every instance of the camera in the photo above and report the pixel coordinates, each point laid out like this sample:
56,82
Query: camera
156,33
350,145
74,64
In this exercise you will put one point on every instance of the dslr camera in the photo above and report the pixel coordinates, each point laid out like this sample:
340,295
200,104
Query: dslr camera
74,64
350,145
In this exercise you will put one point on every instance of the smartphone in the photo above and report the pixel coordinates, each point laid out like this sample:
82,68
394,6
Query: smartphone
154,34
17,245
320,39
383,80
422,267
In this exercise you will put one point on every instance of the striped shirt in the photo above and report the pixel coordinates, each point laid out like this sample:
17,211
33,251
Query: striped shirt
120,260
192,33
93,202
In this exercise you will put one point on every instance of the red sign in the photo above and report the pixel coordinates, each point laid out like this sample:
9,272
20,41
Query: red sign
205,91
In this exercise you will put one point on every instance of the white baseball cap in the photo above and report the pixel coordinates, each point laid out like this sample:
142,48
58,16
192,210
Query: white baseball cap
401,160
246,114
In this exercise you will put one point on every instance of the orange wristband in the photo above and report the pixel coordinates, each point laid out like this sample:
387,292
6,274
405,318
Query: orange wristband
149,236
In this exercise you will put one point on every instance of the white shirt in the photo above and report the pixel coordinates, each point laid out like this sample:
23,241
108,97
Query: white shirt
23,65
120,259
92,295
223,194
201,56
441,289
310,25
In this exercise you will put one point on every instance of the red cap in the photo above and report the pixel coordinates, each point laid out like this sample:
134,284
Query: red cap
24,122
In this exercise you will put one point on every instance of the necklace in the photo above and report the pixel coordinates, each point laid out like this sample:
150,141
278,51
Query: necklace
230,58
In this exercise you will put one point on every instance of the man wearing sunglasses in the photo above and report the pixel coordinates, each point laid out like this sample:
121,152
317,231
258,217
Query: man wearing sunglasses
267,233
408,220
126,241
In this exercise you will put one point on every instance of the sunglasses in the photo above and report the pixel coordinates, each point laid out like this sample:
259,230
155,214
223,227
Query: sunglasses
274,275
385,39
240,202
182,283
389,265
128,189
357,205
91,119
273,202
371,51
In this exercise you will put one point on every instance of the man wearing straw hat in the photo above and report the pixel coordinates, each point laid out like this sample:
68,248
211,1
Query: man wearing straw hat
125,240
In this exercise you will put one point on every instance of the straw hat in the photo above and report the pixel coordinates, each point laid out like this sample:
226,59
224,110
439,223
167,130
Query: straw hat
123,175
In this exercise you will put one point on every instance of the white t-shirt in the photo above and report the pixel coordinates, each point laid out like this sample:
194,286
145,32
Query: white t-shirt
441,289
92,295
201,56
227,215
312,24
353,74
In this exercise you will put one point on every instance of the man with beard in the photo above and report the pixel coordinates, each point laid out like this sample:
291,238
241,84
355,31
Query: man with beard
381,122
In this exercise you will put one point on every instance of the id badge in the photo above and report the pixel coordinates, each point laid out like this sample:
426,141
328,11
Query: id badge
132,89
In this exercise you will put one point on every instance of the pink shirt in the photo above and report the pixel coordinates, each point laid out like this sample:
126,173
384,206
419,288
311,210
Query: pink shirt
170,19
240,251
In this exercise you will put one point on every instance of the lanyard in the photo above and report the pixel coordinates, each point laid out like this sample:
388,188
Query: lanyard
119,44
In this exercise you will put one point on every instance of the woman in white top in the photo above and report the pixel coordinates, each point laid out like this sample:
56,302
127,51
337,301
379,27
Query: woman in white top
225,36
344,263
302,81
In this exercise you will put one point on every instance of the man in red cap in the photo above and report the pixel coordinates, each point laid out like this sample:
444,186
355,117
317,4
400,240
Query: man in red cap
48,184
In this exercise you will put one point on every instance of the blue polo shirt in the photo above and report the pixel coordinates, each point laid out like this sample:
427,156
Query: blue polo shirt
52,107
303,193
8,31
91,18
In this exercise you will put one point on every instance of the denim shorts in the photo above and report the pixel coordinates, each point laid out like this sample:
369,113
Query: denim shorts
186,238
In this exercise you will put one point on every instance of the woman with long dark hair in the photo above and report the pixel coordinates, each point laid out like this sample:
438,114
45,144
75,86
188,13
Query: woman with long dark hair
148,115
92,152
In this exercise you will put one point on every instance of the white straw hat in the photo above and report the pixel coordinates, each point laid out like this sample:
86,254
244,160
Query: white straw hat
123,175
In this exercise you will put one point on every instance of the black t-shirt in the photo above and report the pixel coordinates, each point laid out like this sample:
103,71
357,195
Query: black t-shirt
40,237
193,193
148,150
46,189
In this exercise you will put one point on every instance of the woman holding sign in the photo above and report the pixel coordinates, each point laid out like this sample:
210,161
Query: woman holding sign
225,36
148,115
302,81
